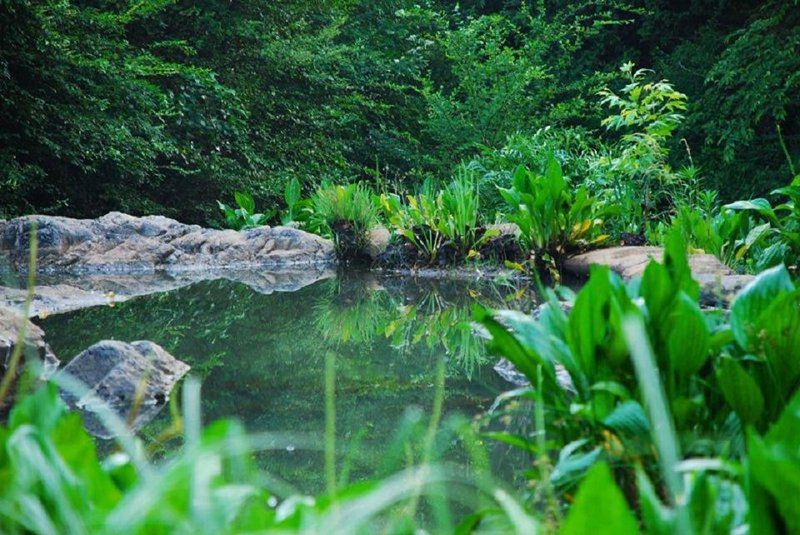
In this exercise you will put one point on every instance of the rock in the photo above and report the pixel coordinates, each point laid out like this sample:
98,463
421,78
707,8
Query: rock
505,229
718,282
34,348
377,241
120,243
115,373
65,293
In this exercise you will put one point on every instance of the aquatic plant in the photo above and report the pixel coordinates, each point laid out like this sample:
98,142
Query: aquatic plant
552,218
442,225
244,216
344,212
644,357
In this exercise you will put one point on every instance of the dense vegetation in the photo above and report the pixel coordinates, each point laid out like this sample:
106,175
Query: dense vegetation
160,106
689,414
584,123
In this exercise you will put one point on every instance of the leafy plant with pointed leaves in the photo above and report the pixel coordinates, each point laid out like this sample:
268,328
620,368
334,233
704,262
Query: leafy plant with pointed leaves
553,218
244,216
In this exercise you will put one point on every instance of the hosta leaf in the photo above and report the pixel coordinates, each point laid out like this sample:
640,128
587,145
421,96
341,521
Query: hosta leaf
774,463
600,508
740,390
760,206
628,418
687,336
753,300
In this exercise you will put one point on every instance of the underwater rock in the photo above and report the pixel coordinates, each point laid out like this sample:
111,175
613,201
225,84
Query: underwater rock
133,379
121,243
34,347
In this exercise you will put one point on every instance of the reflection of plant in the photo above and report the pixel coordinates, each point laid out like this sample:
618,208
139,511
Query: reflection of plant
438,324
357,317
245,216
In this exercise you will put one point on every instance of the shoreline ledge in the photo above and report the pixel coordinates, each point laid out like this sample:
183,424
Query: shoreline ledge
121,243
718,283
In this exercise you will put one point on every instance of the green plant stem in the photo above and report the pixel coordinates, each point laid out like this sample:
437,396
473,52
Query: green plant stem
16,356
785,150
330,423
663,428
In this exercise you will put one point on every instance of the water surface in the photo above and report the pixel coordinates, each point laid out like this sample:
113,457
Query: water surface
385,355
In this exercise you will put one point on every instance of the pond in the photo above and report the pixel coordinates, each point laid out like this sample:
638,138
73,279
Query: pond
358,368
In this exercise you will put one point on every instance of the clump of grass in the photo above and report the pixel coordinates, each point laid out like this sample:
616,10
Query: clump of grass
346,213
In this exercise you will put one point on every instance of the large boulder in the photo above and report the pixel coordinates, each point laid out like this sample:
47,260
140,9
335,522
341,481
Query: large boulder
34,349
133,379
120,243
718,282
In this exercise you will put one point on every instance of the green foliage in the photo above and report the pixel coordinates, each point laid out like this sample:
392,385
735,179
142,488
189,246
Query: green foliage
711,368
614,515
344,212
245,216
432,220
648,113
775,236
553,218
54,482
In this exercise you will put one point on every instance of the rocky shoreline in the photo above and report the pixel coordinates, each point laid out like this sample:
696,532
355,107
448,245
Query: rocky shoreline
90,262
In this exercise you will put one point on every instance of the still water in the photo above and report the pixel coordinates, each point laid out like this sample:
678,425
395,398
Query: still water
372,364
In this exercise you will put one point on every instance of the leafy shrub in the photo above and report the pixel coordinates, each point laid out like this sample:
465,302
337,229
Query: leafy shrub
553,219
636,173
244,217
574,148
433,221
344,212
776,238
719,374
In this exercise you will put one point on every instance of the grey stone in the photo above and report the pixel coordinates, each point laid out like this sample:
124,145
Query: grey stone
133,379
377,241
34,348
56,294
717,281
120,243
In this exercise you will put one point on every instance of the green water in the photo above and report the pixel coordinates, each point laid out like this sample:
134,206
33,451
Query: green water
384,355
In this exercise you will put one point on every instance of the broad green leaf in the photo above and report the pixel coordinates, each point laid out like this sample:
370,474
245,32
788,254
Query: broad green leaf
687,336
740,390
774,464
628,418
599,507
245,201
572,464
760,206
753,300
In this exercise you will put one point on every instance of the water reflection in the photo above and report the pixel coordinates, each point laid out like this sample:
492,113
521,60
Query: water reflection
370,363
